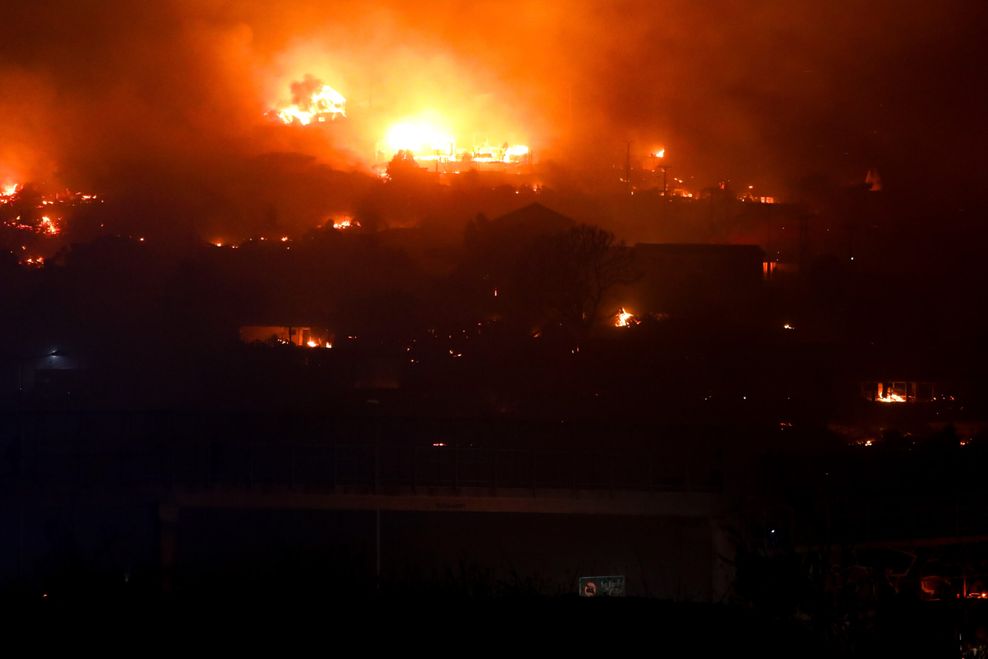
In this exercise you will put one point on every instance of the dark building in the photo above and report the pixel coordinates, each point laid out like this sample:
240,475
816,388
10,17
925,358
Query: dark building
717,282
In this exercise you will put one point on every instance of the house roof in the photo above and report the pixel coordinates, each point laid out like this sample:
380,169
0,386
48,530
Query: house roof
535,219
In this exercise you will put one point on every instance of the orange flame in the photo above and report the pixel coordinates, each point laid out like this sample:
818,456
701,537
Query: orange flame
33,262
345,223
313,101
424,139
49,226
428,139
624,318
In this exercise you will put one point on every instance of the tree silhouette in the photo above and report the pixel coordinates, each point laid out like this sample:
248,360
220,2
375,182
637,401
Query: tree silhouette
404,168
565,276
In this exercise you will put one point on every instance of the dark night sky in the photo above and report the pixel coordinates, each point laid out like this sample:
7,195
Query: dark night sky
114,95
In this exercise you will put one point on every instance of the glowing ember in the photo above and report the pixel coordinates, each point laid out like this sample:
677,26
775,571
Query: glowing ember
661,153
33,262
312,101
624,318
312,344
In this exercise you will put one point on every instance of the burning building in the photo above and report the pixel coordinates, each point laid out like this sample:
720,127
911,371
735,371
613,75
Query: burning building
298,336
312,101
426,138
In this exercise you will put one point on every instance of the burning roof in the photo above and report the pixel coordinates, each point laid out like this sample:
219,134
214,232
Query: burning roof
312,101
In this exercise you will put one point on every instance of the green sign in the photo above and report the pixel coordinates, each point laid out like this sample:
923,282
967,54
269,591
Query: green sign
602,586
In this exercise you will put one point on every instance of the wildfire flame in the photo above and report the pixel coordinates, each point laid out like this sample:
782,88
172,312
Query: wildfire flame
49,226
505,153
345,223
312,101
429,140
8,189
422,138
426,136
516,151
624,318
33,262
